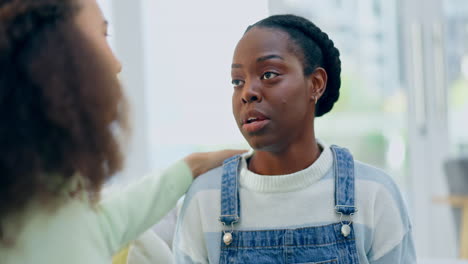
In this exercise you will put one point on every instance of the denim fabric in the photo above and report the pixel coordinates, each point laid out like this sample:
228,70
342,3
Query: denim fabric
317,244
230,204
343,166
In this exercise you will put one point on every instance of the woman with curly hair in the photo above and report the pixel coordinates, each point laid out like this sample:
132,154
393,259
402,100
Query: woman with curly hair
62,118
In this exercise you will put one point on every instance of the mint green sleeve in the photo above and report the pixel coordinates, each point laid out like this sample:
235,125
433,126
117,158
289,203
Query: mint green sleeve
125,215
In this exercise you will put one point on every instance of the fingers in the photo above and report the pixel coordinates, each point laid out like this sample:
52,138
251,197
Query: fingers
200,163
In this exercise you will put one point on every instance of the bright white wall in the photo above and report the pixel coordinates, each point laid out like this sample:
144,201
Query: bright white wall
126,39
188,52
176,58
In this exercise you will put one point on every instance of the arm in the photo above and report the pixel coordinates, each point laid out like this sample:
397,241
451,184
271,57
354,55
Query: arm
123,216
404,252
392,240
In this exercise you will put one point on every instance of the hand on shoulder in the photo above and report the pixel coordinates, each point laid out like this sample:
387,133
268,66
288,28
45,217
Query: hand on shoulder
201,162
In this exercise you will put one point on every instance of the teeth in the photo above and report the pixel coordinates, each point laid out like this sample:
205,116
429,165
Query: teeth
251,119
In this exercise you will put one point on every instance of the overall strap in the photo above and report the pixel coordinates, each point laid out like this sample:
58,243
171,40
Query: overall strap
230,203
343,165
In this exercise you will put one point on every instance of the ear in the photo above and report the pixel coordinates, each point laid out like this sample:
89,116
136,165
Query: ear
317,83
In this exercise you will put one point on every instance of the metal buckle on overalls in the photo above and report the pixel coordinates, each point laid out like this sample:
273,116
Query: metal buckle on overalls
227,237
345,227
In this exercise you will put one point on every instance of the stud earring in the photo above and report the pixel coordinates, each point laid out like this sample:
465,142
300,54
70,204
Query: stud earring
315,99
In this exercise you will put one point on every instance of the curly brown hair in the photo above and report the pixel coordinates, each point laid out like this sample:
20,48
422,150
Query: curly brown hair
61,107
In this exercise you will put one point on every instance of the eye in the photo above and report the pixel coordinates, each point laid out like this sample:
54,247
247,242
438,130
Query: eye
237,83
269,75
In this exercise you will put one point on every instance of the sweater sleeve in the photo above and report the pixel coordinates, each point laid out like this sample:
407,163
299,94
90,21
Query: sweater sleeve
402,253
392,241
123,216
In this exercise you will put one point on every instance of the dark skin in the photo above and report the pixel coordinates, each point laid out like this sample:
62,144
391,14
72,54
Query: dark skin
274,102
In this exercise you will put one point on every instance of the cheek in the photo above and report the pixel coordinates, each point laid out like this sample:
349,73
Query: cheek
293,102
288,97
235,105
99,41
110,56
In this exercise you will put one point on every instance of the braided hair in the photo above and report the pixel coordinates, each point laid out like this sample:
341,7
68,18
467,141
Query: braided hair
315,49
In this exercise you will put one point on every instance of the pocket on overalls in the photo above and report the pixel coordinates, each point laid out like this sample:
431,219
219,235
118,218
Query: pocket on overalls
331,261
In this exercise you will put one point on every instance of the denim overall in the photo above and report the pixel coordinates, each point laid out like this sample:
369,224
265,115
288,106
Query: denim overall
332,243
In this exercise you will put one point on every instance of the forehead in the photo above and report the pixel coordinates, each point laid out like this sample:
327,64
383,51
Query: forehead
260,41
89,10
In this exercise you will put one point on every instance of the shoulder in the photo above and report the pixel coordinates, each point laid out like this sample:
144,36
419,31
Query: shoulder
207,181
374,183
387,214
204,185
376,178
40,227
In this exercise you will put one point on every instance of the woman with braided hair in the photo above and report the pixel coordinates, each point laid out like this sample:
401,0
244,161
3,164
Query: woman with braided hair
62,115
293,198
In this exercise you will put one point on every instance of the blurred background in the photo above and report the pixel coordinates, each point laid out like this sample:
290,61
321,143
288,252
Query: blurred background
403,104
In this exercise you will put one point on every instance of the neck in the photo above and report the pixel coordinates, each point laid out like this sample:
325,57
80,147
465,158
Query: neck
292,158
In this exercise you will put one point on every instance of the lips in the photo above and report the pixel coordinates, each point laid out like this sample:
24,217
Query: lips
254,121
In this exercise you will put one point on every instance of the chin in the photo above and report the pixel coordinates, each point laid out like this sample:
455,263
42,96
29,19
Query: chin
260,144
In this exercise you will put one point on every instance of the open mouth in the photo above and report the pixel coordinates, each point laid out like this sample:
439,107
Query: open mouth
254,122
254,119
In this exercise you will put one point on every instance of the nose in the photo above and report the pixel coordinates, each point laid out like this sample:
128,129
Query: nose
251,93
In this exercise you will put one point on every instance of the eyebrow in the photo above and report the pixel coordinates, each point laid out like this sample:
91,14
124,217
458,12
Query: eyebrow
269,57
260,59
